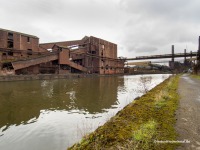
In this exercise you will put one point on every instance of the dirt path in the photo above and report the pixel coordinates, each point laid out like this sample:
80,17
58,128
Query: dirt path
188,113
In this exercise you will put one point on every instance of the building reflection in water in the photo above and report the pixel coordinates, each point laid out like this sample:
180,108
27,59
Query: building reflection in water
22,102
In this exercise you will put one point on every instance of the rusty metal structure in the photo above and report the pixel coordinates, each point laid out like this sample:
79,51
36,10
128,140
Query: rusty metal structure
21,53
172,56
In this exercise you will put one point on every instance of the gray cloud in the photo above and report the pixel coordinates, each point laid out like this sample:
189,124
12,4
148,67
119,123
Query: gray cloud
159,23
171,9
143,48
137,26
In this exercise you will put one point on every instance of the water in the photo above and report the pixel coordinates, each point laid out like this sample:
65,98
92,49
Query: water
54,114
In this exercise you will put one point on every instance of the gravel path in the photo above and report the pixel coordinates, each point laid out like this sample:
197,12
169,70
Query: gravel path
188,113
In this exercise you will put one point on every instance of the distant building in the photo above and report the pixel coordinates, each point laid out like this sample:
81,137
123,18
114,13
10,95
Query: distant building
22,54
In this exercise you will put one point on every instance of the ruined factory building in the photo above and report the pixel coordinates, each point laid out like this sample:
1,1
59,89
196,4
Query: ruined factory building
21,53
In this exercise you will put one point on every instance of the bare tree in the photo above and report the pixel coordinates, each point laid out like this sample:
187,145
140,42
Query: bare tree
144,84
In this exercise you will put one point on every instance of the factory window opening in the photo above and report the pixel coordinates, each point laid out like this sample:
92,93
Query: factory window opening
10,53
102,46
29,51
93,52
10,43
10,36
106,67
102,53
28,39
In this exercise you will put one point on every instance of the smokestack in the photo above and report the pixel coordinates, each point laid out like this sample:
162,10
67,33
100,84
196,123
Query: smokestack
172,53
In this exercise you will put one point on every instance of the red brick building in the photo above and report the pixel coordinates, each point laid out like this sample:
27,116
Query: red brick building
16,40
16,46
22,54
95,54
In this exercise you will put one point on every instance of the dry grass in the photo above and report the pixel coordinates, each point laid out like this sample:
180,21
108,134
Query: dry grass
196,76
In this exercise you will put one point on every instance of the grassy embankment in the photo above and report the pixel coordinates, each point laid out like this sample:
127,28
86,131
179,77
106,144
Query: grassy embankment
138,125
195,76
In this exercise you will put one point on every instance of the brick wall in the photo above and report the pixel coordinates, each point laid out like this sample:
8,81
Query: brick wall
64,71
3,39
103,49
64,57
33,44
19,40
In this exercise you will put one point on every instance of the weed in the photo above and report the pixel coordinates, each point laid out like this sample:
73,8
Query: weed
144,84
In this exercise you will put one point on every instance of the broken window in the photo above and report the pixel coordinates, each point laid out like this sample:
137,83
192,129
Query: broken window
93,52
102,46
29,51
7,65
28,39
106,67
10,41
10,53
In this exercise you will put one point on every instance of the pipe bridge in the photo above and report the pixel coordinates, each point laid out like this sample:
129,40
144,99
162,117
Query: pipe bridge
164,56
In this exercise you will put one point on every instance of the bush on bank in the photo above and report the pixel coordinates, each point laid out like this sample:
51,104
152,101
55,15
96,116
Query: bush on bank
141,124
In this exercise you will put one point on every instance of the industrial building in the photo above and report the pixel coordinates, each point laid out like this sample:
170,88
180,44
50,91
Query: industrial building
22,54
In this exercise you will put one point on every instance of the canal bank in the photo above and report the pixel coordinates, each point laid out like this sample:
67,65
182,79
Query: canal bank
147,123
64,76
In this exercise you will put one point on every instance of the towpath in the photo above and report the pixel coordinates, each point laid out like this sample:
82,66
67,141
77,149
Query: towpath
188,113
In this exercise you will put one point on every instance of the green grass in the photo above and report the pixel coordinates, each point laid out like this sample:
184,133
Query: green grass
140,124
196,76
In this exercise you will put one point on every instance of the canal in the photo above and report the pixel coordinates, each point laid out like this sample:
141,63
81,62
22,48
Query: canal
54,114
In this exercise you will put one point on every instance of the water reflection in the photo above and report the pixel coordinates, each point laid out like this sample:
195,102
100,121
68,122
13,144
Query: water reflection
54,114
22,102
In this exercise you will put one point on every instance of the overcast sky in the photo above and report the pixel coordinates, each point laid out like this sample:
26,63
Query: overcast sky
139,27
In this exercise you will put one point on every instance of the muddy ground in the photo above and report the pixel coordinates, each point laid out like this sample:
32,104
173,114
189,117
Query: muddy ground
188,113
